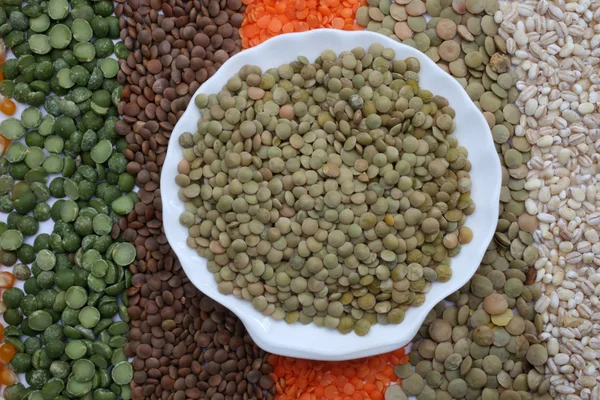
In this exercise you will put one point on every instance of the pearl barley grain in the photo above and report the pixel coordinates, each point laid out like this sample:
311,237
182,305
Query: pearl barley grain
555,56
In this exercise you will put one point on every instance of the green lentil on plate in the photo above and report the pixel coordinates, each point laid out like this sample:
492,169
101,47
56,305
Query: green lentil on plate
327,192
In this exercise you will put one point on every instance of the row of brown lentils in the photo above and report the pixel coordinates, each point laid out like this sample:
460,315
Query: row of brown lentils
183,344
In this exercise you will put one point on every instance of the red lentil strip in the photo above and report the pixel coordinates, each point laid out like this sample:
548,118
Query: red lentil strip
362,379
264,19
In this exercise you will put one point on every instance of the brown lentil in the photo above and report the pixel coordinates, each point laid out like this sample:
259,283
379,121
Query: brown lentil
183,344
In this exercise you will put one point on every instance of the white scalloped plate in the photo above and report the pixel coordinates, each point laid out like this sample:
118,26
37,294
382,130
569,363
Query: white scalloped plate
310,341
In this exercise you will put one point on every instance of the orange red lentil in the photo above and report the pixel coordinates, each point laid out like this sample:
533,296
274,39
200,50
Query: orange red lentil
4,143
7,352
362,379
7,106
7,376
264,19
7,279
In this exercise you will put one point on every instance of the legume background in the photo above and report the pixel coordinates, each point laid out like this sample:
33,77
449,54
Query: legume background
94,301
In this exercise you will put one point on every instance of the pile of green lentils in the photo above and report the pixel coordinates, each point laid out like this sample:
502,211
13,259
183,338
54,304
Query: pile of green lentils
65,169
482,342
330,192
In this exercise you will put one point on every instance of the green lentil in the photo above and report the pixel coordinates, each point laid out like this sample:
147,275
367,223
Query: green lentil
366,243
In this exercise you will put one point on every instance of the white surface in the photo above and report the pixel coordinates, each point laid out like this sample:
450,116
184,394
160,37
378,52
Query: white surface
310,341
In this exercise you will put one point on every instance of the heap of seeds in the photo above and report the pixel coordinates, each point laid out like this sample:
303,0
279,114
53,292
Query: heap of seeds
474,51
262,20
64,169
364,378
556,55
330,192
461,37
183,344
172,54
456,28
480,347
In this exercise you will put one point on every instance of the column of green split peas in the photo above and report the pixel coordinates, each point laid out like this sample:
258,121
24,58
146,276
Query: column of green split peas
65,166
